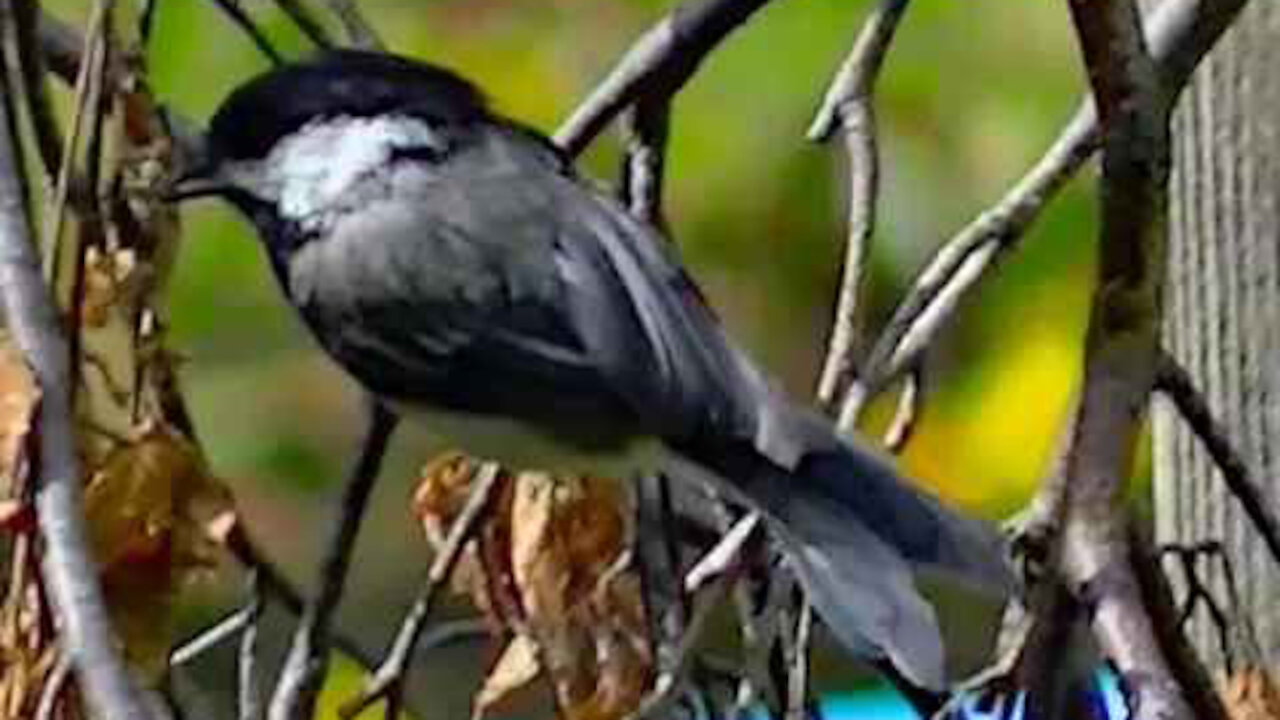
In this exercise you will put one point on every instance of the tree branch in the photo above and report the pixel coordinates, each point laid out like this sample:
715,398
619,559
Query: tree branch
241,19
849,106
386,683
1121,352
358,30
907,415
644,165
44,119
659,63
248,688
307,22
70,573
1173,380
1180,32
304,668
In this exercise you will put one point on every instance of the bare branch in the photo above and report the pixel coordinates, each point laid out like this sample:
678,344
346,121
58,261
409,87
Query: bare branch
69,571
87,89
671,679
721,558
228,627
850,106
798,673
1180,32
659,63
1174,381
1121,351
655,549
62,46
308,658
387,681
241,19
248,690
643,166
907,416
54,689
44,120
307,22
358,30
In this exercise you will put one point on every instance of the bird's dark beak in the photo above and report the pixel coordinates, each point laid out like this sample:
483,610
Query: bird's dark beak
198,176
197,169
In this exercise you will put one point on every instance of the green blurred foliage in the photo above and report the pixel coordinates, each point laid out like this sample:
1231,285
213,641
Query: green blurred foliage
972,93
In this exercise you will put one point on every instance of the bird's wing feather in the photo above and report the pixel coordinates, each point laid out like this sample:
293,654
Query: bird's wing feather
521,288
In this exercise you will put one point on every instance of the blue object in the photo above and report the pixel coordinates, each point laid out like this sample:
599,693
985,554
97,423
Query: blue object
1105,702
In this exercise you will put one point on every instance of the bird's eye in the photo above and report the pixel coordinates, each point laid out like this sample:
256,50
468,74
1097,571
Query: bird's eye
432,153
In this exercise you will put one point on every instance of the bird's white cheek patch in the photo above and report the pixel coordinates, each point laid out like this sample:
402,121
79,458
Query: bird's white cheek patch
313,172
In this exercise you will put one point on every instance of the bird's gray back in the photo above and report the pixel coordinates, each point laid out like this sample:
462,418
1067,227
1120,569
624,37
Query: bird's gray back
495,282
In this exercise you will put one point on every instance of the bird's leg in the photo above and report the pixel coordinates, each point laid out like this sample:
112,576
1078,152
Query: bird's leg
304,668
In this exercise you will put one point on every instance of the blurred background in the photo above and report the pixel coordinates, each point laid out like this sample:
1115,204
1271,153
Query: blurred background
972,93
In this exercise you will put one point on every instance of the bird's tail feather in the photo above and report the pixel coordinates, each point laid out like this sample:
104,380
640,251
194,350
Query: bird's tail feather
856,531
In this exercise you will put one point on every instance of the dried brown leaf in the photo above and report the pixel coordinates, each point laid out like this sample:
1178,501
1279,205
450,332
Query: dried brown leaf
149,505
1251,694
516,667
546,566
18,398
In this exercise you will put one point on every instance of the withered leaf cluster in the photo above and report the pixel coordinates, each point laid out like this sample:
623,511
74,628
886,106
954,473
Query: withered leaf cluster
548,567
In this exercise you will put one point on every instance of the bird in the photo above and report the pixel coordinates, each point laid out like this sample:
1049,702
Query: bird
459,268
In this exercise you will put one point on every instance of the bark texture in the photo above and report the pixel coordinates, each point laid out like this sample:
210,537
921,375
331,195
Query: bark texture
1222,319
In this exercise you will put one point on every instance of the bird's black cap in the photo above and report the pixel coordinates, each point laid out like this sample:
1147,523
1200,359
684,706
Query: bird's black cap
339,83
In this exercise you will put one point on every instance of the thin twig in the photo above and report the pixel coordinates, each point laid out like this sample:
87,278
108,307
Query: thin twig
90,73
70,573
304,668
53,691
798,672
248,689
666,688
241,19
659,62
722,558
228,627
307,22
644,163
907,416
44,119
750,599
359,31
387,682
276,587
850,106
61,45
147,22
1198,594
657,554
1173,380
1180,32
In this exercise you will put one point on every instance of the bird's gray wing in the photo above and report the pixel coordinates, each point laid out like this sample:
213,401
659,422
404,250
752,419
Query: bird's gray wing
499,284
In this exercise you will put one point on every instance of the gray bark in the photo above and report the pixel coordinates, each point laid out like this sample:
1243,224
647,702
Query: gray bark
1222,318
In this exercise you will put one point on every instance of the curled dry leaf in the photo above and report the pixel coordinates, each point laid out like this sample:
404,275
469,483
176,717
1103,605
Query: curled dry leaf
548,565
149,504
1251,694
18,397
27,650
516,667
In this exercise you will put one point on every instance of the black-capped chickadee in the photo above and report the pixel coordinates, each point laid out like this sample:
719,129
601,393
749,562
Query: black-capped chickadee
455,265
